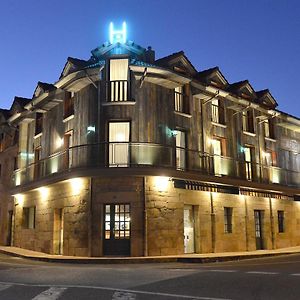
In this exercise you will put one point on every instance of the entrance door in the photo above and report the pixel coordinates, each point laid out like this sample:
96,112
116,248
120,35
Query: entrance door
119,144
10,235
116,229
189,243
58,231
258,218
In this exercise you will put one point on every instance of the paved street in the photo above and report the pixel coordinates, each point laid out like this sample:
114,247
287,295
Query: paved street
268,278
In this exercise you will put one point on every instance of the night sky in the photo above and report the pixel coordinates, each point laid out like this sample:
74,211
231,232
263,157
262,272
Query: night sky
255,40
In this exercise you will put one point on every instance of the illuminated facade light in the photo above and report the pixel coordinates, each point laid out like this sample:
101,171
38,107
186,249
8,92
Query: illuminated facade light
44,192
19,198
77,185
161,183
117,36
91,129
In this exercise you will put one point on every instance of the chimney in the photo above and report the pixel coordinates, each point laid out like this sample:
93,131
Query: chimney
150,55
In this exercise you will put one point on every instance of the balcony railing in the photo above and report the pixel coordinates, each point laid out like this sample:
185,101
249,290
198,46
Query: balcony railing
181,102
117,90
133,155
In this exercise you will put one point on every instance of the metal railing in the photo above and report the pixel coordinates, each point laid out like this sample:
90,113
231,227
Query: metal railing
117,90
134,155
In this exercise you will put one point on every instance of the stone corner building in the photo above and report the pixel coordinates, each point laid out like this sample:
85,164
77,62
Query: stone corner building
131,155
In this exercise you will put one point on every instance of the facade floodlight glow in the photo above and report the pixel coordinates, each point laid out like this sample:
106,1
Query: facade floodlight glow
119,35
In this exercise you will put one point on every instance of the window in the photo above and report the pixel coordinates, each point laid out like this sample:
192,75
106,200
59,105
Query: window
119,133
180,150
228,219
270,156
280,221
69,105
269,129
248,152
29,217
248,123
181,99
1,141
38,123
178,97
16,163
217,111
118,80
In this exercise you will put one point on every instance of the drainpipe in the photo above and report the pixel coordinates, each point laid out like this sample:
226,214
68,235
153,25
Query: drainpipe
90,218
246,223
272,223
145,220
213,224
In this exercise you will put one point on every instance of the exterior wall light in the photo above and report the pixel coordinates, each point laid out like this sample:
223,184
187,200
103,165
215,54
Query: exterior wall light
161,183
77,185
44,192
19,199
91,129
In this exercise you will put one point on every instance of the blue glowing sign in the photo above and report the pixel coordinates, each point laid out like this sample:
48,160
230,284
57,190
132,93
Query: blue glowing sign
117,36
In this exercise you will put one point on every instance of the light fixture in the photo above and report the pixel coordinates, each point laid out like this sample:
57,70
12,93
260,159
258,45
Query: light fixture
19,199
44,192
161,183
91,129
117,36
77,185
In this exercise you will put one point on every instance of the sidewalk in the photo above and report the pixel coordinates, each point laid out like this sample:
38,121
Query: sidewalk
186,258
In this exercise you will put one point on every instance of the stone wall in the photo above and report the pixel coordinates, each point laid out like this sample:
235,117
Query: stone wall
165,226
73,198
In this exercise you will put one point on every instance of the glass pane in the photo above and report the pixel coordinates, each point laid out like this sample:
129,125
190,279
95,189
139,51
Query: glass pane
127,208
107,225
107,208
107,234
107,217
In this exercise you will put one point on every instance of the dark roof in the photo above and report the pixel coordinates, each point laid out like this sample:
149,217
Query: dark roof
169,57
78,62
46,86
164,60
262,93
237,85
203,74
5,112
22,101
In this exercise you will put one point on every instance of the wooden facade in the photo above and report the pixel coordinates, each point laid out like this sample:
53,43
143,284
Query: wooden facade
112,164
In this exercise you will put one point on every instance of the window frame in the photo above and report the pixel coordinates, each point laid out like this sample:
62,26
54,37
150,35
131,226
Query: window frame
228,217
280,219
29,217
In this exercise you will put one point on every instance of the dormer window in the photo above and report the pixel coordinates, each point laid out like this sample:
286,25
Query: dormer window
69,105
217,111
38,124
248,121
118,80
181,100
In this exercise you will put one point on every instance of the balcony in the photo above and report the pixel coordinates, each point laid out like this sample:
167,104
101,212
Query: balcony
117,91
146,155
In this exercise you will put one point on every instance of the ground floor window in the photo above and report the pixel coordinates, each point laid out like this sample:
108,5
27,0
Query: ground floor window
29,217
228,219
280,221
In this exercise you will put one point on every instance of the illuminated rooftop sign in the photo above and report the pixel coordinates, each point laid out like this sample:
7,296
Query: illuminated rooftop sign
117,36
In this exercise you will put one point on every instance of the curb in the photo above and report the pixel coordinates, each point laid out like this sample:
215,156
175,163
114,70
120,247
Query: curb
132,260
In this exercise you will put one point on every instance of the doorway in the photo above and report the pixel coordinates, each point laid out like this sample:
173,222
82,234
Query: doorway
11,221
117,225
58,231
258,221
189,229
